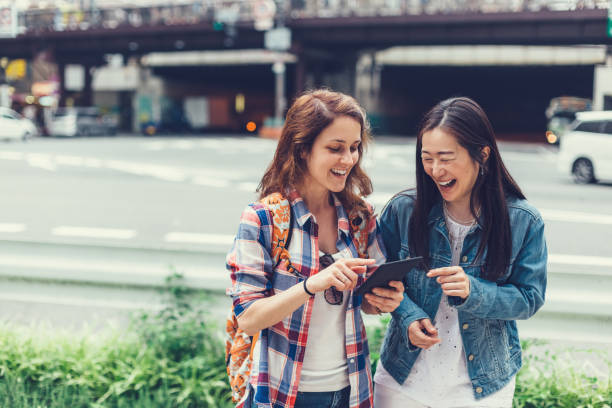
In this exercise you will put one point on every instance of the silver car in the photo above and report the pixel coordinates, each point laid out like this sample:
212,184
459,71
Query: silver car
13,126
77,121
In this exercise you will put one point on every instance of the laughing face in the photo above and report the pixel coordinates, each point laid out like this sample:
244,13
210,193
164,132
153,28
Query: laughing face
450,166
333,155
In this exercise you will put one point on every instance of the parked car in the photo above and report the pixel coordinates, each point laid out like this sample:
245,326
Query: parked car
13,126
561,113
69,122
586,150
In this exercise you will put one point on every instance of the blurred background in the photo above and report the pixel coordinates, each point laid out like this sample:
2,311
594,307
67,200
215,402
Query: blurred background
185,98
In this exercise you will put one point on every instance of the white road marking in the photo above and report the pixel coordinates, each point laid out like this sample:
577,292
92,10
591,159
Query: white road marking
167,173
78,302
381,198
575,216
583,260
40,160
248,186
11,155
12,227
570,296
86,232
210,181
193,238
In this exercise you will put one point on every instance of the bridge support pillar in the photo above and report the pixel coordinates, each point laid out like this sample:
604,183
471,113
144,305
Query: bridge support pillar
87,93
367,83
316,68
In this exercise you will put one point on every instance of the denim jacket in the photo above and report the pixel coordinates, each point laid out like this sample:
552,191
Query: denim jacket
487,317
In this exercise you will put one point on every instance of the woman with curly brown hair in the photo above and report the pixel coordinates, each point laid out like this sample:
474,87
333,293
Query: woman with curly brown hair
312,349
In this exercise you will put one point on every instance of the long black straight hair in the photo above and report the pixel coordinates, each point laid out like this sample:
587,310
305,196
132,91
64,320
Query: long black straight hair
467,122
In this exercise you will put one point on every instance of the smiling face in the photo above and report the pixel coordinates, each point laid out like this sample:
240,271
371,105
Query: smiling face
333,155
450,166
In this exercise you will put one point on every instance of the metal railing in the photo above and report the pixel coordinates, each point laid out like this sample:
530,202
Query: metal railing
244,11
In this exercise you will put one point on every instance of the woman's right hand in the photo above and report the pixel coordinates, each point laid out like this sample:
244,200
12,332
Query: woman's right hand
423,334
342,274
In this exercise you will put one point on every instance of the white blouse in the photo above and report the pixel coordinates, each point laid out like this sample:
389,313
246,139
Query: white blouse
439,377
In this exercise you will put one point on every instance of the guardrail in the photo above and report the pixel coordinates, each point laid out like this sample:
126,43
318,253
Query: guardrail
578,306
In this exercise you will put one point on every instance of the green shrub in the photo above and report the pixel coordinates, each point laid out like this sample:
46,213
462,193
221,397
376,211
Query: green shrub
172,358
547,379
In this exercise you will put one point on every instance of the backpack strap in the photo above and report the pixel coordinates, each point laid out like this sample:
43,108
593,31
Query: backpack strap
358,221
280,210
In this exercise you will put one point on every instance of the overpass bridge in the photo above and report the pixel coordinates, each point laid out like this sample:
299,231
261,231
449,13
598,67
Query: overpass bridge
342,26
332,41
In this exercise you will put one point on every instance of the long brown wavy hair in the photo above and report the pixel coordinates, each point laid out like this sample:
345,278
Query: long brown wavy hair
310,113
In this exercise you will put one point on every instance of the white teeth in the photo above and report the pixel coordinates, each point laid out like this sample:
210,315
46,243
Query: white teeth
339,172
445,183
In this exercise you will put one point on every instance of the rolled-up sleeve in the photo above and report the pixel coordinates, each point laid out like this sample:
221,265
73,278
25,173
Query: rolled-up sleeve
249,261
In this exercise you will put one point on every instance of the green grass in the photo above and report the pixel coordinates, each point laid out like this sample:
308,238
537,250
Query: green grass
168,359
174,358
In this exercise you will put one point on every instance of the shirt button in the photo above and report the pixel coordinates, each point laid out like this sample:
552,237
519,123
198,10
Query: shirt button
465,326
464,259
479,390
471,357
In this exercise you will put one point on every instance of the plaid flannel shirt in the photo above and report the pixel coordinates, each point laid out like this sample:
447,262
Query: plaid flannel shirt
275,374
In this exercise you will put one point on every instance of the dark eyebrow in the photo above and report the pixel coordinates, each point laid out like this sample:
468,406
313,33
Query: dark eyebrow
438,153
344,141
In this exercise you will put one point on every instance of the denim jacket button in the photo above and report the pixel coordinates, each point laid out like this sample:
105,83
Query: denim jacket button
471,357
465,326
479,390
464,259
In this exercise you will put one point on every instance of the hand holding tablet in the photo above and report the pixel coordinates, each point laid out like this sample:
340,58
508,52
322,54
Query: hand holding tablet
387,272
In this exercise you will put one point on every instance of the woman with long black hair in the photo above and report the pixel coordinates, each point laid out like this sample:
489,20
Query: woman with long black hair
453,341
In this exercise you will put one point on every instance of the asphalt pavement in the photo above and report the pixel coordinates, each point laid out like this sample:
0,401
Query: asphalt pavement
120,213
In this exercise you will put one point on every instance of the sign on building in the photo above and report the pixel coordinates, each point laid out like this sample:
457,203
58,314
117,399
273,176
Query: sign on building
610,19
278,39
8,21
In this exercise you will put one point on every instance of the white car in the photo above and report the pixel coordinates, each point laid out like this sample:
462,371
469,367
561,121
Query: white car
14,126
586,150
79,121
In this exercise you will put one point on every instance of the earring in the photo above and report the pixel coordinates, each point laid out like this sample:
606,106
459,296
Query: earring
481,171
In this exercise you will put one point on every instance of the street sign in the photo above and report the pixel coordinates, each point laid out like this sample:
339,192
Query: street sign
16,69
8,21
278,39
610,19
263,14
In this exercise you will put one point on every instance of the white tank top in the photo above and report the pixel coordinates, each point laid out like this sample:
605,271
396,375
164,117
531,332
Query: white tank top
324,367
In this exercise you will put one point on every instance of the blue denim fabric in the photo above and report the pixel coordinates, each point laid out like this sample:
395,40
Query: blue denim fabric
331,399
487,317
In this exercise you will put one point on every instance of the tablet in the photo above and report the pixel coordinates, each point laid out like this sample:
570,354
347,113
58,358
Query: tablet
390,271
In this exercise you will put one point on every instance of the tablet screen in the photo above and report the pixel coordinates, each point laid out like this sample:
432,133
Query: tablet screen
390,271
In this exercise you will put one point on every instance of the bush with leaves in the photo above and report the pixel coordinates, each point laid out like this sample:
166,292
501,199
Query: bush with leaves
172,358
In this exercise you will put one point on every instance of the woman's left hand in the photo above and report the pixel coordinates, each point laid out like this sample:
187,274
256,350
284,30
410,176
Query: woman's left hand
453,280
386,300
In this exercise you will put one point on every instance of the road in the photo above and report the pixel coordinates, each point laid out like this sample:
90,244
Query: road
123,211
